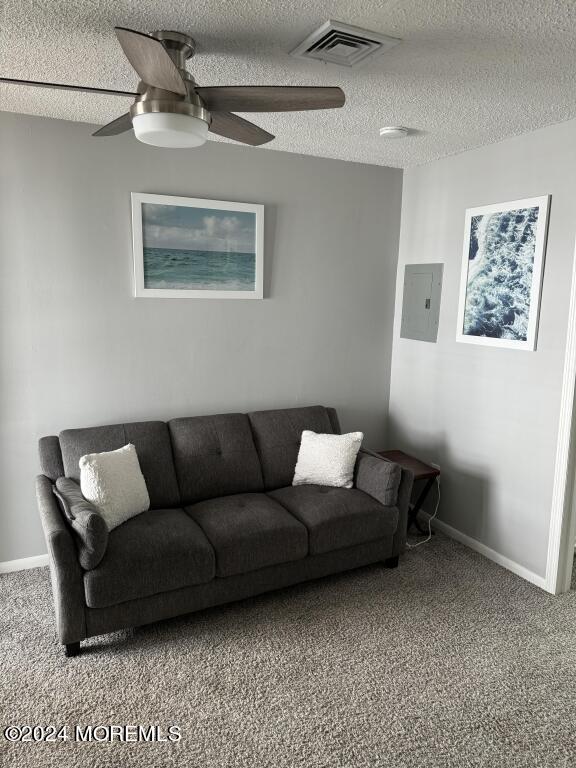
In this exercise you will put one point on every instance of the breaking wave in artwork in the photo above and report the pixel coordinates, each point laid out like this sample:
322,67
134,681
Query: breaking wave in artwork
500,272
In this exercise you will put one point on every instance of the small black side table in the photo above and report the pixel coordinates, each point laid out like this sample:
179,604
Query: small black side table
421,471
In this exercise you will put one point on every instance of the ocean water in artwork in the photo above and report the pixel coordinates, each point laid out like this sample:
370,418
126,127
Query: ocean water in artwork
198,270
188,248
500,274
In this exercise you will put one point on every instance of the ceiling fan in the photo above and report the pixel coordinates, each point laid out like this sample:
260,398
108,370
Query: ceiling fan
171,110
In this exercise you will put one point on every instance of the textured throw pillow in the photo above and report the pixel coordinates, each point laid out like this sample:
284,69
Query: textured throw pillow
114,483
327,459
88,526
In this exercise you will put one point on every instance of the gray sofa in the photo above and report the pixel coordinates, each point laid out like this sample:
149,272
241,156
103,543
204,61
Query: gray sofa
225,521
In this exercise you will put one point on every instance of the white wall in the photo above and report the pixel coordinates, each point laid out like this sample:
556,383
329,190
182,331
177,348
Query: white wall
76,349
488,416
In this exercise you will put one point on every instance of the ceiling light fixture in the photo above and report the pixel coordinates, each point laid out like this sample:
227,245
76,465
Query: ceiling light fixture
168,129
394,132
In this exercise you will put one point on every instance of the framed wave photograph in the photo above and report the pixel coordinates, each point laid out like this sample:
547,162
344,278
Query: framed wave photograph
190,248
502,270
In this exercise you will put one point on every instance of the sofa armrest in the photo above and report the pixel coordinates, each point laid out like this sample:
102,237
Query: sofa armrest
378,478
371,477
65,570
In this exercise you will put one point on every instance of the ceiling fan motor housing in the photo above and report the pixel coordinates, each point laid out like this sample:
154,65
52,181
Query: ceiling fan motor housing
166,117
157,100
181,47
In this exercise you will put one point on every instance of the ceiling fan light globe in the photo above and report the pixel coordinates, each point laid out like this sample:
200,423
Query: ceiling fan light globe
170,130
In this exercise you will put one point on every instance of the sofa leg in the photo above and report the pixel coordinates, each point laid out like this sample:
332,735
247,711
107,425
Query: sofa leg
391,562
71,649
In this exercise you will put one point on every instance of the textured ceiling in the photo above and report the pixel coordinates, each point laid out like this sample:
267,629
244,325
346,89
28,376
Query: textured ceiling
468,73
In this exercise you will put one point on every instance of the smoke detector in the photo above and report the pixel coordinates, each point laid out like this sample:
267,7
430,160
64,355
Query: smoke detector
394,132
343,44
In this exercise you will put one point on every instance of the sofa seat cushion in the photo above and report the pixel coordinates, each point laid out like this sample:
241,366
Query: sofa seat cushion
337,517
249,531
159,550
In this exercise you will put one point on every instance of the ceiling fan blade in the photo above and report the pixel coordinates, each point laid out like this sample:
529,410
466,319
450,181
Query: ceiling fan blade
233,127
151,60
64,87
270,98
121,124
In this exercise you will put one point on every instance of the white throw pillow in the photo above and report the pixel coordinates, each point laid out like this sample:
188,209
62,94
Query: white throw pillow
113,482
327,459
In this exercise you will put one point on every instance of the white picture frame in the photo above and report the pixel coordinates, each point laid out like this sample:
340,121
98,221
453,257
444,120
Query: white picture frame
499,302
230,252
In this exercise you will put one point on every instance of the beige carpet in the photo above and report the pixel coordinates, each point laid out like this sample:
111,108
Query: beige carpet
447,661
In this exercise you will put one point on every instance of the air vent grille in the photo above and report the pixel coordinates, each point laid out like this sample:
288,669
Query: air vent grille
339,43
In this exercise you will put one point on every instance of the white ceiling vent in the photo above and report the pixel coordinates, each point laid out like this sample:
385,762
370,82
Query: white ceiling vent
343,44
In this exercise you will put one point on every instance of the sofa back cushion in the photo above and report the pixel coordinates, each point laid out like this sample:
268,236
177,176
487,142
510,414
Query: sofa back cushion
214,456
152,442
277,436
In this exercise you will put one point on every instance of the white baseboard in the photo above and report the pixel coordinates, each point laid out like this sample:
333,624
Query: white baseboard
24,563
491,554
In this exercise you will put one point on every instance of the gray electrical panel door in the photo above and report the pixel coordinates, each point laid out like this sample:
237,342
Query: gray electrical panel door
421,302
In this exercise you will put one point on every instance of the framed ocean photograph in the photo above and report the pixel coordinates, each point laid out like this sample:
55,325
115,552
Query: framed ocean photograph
186,247
502,270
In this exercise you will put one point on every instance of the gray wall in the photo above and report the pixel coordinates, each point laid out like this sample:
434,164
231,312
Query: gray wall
488,416
77,349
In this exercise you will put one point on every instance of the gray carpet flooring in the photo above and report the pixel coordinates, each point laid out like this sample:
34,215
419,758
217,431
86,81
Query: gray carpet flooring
447,661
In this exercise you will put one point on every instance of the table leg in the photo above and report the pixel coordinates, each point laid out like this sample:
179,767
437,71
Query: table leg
413,513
